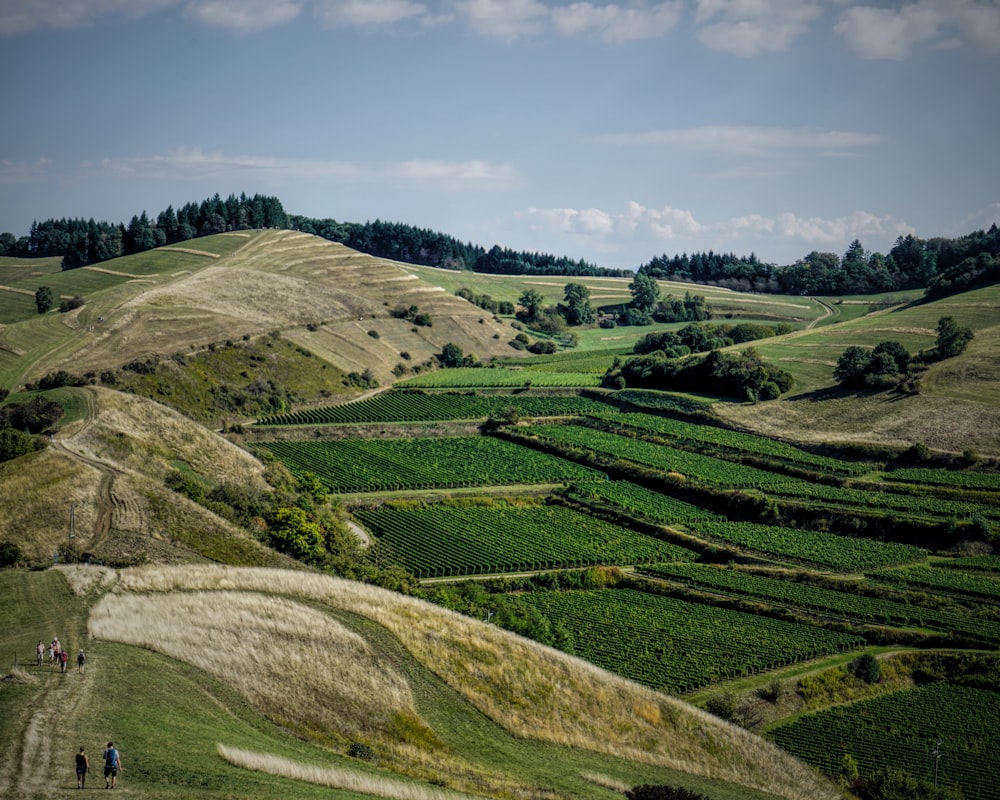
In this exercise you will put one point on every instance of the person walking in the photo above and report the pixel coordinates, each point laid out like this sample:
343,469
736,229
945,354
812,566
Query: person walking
80,661
39,652
82,765
112,763
63,660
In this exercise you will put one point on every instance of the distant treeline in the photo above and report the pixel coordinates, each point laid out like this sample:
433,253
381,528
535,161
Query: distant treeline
85,241
941,265
413,245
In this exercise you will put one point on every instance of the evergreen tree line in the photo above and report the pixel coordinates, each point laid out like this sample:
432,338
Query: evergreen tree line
85,241
940,264
413,245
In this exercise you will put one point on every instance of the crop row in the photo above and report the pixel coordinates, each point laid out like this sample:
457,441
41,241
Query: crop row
941,578
675,645
843,553
369,465
660,401
982,563
482,377
989,481
648,504
447,540
846,604
908,730
694,435
419,407
723,474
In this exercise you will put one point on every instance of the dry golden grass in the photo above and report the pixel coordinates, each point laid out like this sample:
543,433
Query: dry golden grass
531,690
348,780
82,579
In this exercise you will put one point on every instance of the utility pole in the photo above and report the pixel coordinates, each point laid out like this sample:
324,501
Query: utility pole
72,524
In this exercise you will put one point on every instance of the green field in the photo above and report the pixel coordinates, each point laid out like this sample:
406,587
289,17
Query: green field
903,730
448,540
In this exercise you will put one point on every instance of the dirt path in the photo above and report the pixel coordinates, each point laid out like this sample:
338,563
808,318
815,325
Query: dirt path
42,760
361,533
828,311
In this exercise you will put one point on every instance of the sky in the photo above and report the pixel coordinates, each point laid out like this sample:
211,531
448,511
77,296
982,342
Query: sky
609,132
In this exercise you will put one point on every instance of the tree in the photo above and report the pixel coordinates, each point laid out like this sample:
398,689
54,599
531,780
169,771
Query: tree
895,356
952,338
451,356
577,309
291,532
645,292
852,366
531,301
44,299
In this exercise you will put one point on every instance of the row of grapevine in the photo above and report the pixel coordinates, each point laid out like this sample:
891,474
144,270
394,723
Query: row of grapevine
675,645
908,730
660,401
481,378
989,481
734,443
722,474
842,553
650,505
443,540
419,407
845,604
942,579
370,465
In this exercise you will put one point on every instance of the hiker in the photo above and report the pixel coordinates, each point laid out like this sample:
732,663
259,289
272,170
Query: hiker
80,660
63,659
39,652
82,765
112,763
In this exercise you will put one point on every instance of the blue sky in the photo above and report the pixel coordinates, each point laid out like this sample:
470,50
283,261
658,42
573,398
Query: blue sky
611,132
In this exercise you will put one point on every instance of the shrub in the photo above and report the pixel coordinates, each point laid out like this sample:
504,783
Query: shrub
866,668
544,347
373,334
653,792
363,752
10,554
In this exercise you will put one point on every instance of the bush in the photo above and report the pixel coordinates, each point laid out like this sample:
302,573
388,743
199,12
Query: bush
866,668
544,347
363,752
10,554
653,792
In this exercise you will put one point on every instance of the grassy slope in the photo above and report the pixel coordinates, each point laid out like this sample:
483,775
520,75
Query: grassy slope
168,715
958,406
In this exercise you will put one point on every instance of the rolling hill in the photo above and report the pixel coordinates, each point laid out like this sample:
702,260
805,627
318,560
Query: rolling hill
274,672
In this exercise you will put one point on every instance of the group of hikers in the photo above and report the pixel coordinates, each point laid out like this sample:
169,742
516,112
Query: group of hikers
112,764
58,655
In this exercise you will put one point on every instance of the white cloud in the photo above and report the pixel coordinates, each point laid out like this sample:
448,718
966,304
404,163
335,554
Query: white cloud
194,164
243,16
349,13
681,227
749,27
24,171
504,19
22,16
891,33
615,23
745,139
454,174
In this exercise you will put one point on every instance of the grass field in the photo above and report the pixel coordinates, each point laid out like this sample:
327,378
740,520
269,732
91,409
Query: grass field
221,728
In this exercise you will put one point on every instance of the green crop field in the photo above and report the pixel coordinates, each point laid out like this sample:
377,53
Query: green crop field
480,378
647,504
676,645
903,731
370,465
942,579
848,605
445,540
419,407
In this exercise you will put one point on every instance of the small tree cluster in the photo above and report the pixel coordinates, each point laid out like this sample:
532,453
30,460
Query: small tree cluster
485,302
451,356
654,792
860,367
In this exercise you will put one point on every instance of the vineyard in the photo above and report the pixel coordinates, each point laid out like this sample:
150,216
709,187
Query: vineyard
729,443
988,481
675,645
484,378
848,605
942,579
728,475
841,553
647,504
903,730
443,540
420,407
372,465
